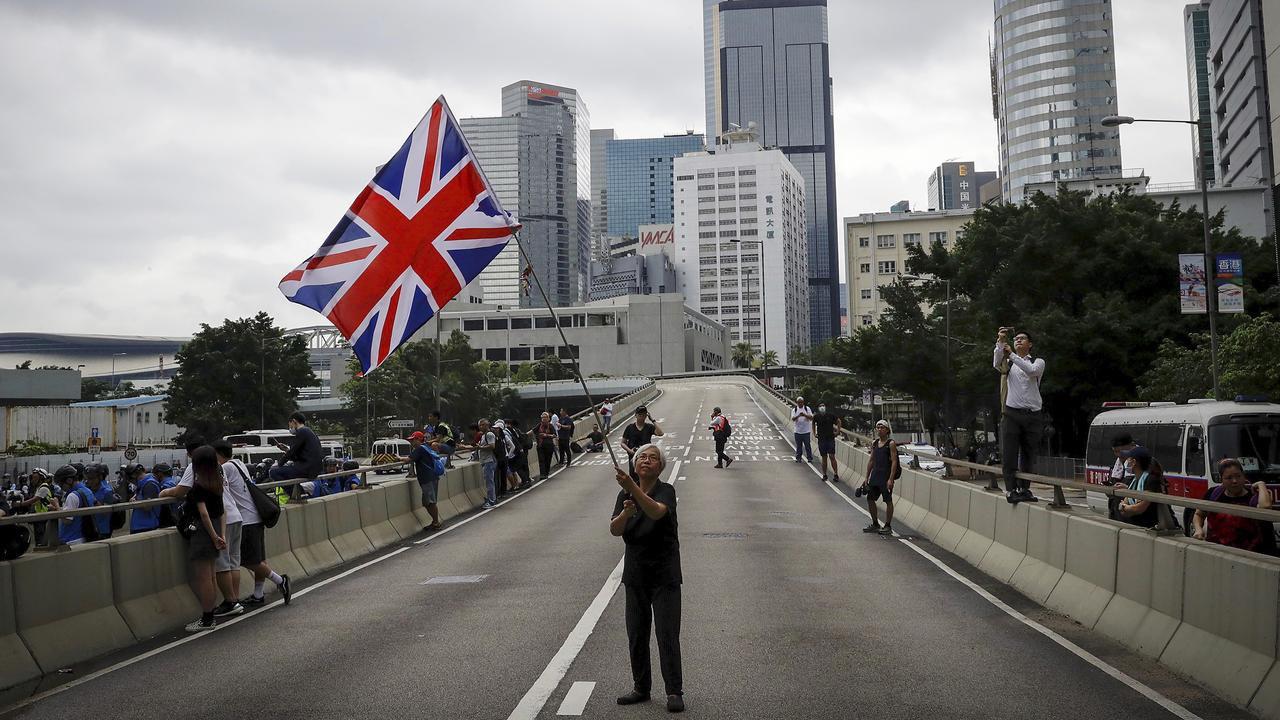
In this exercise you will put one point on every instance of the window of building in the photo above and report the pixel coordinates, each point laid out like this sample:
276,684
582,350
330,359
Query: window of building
747,184
725,173
707,187
544,321
886,241
938,237
684,177
706,198
703,175
708,298
568,353
866,294
707,234
729,221
497,323
729,198
909,239
728,233
496,354
747,196
706,211
521,323
706,223
520,354
747,171
864,242
727,186
472,325
866,319
887,267
749,232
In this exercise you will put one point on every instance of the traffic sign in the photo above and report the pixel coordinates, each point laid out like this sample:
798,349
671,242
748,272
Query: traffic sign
400,423
94,433
131,453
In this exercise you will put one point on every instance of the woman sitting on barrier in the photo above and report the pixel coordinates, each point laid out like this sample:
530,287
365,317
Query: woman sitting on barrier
1233,530
1149,477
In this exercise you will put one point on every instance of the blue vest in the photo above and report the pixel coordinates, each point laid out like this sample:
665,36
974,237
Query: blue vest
103,520
69,532
146,518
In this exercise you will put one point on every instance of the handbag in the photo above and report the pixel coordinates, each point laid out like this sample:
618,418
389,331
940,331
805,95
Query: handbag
188,520
266,505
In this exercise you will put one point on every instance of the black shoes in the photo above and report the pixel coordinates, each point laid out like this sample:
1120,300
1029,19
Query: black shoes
253,601
718,467
635,696
728,462
286,591
872,528
1013,497
675,703
1028,497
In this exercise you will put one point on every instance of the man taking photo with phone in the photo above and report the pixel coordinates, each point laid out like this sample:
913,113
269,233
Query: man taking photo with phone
1020,425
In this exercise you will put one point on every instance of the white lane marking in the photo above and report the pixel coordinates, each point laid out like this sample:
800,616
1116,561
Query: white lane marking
575,701
1136,685
222,625
536,698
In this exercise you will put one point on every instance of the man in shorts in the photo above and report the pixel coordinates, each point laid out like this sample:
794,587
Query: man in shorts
424,467
252,546
826,425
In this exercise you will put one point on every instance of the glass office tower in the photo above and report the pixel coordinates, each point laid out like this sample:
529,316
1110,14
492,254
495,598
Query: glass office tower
1055,79
773,69
639,180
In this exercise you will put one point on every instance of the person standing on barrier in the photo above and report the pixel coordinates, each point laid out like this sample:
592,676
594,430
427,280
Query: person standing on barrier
826,425
424,468
545,436
206,509
644,516
882,470
720,430
1233,530
1020,425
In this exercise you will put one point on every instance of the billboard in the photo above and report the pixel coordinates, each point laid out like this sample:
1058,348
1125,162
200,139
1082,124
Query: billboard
656,239
1229,277
1192,288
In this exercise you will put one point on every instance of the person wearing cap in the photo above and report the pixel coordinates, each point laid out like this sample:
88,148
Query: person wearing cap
1149,477
644,516
71,530
882,470
639,433
720,433
802,417
1020,424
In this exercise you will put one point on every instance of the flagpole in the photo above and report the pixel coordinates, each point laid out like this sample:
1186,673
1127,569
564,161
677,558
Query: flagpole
577,371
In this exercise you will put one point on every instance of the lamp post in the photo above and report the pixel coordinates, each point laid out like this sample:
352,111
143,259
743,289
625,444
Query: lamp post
262,381
946,398
113,368
764,310
1210,286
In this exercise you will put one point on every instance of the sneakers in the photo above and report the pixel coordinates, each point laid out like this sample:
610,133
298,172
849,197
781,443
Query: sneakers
286,590
227,609
718,466
486,505
200,626
728,462
1027,496
433,527
253,601
835,478
675,703
886,530
633,697
858,491
872,528
823,478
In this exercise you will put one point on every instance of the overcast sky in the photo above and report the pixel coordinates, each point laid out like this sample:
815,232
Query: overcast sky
165,163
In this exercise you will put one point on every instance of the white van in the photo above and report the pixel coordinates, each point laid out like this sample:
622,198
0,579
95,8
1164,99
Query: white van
388,451
251,456
1188,440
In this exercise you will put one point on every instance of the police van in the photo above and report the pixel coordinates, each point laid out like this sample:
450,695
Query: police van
1188,441
330,447
388,451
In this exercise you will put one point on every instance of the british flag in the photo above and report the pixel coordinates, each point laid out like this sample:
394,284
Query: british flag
424,227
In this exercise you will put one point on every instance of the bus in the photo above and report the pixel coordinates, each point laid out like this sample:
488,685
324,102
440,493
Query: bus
389,450
1188,440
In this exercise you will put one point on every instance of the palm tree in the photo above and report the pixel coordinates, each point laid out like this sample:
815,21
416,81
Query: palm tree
743,354
770,357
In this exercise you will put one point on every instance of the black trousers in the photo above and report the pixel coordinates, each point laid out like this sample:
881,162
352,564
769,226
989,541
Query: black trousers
522,467
1020,432
566,452
545,451
721,457
650,607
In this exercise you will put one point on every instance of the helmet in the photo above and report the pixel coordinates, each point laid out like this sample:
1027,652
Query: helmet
161,469
44,474
331,461
65,473
79,466
95,470
351,465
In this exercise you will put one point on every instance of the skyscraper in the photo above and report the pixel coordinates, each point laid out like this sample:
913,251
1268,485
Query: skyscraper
599,183
541,147
767,62
1055,79
640,180
1195,18
1238,95
955,186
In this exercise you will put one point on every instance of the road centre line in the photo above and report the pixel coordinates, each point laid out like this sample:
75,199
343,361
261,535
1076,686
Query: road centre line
1134,684
536,698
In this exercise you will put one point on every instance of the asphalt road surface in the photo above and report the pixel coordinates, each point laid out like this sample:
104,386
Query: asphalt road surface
789,612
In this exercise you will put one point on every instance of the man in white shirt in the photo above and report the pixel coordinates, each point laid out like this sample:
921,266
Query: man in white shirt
606,416
1020,425
802,416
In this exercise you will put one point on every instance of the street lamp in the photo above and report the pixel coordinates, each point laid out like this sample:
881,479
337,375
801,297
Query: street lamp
946,401
113,368
545,372
764,309
1210,286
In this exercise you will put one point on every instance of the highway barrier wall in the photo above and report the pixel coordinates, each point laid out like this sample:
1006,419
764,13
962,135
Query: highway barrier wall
74,604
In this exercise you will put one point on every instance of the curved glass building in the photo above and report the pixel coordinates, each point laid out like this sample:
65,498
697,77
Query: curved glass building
1054,77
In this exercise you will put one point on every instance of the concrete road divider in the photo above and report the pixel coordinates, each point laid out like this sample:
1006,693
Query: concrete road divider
953,530
280,550
1089,579
374,519
1009,548
1147,606
309,538
1046,559
453,499
149,579
342,525
401,497
65,608
980,534
16,664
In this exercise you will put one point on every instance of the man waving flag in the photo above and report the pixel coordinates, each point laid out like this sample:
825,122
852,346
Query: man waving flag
424,227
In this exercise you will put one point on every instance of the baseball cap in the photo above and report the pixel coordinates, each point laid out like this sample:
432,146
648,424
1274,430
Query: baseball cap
1137,452
882,423
418,436
499,424
642,409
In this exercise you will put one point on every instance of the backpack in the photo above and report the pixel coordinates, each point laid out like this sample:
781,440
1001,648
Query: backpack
118,517
88,527
728,429
14,541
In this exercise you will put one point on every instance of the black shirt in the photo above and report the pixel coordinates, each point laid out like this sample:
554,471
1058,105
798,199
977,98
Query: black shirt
212,502
635,437
305,451
824,424
596,436
566,429
653,546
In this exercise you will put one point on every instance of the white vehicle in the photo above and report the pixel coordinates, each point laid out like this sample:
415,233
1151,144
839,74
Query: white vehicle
388,451
259,438
1187,441
333,448
251,456
934,466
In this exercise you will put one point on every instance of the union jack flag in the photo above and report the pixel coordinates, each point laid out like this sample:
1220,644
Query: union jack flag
424,227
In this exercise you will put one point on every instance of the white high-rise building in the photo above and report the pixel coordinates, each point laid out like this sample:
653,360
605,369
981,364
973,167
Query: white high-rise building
741,245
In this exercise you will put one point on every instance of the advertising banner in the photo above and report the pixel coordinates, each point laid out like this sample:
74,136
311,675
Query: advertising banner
1229,277
656,239
1192,289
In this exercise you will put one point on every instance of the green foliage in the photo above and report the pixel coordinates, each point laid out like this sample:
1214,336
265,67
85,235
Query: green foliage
35,447
228,374
548,368
743,355
1093,279
406,386
94,389
1246,365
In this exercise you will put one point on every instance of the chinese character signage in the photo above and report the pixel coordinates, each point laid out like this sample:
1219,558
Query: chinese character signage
1229,277
1191,284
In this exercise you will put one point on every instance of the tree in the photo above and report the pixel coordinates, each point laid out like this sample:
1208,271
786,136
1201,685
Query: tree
1093,279
743,355
768,357
1246,360
231,376
548,368
94,389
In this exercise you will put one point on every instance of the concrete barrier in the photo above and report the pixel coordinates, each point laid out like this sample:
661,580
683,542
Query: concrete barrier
279,549
16,664
980,533
64,606
1227,638
956,524
1147,606
453,500
1046,559
374,519
939,498
1089,579
149,580
1009,548
342,525
309,538
401,495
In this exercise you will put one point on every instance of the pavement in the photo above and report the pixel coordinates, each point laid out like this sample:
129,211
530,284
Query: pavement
789,611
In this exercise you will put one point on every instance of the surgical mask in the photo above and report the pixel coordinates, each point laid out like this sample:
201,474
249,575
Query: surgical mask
822,408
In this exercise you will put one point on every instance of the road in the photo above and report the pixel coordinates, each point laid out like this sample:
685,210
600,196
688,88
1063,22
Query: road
789,611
